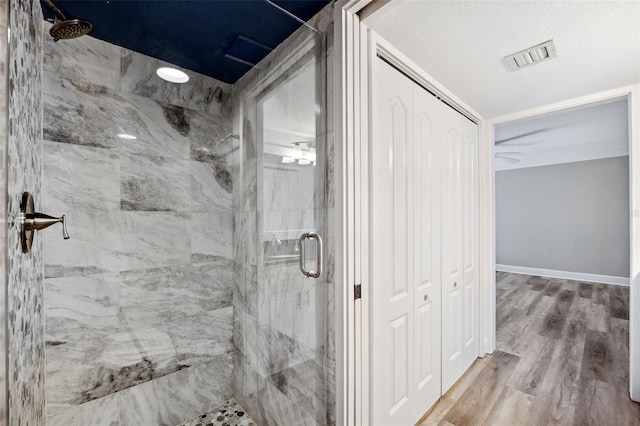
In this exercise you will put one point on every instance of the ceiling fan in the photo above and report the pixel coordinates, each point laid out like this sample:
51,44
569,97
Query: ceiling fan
508,156
508,141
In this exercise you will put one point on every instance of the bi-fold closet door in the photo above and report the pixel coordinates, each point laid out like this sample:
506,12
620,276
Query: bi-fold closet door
459,143
418,175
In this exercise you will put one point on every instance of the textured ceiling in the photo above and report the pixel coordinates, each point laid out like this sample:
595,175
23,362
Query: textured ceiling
461,44
194,34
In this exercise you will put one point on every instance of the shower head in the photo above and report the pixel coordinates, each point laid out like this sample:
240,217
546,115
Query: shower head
64,28
70,28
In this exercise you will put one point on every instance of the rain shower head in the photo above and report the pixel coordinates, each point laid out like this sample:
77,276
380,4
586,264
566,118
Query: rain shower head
63,28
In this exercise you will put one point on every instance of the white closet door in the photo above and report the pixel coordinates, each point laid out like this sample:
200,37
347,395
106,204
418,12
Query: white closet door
470,232
405,249
425,232
392,302
452,245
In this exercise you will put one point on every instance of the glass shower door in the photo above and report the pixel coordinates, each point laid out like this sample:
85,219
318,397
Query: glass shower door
281,314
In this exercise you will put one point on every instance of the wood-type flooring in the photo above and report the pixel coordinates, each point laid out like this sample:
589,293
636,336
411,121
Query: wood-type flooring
562,359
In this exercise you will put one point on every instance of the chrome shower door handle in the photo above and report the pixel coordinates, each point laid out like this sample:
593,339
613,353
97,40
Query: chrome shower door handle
303,268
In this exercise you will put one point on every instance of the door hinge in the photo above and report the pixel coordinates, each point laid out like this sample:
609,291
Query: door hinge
357,291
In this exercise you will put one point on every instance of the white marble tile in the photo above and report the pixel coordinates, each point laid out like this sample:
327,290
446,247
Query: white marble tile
84,59
206,193
213,282
330,189
171,399
95,245
204,336
245,196
100,412
208,133
161,129
88,114
157,346
125,305
101,366
246,291
282,399
90,303
83,113
201,93
178,292
151,239
279,188
331,98
154,184
297,316
330,246
330,384
247,246
330,323
211,236
108,242
80,178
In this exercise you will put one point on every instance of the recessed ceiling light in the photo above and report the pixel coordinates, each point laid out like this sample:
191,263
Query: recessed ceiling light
127,136
286,159
172,75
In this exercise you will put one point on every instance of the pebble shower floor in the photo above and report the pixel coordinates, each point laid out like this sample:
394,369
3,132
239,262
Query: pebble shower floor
230,413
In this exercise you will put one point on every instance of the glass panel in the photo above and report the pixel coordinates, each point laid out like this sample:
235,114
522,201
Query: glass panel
279,367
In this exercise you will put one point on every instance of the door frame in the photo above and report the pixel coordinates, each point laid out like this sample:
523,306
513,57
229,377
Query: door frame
632,94
356,46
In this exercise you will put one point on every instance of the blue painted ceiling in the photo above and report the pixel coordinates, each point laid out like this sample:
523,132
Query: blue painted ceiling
194,34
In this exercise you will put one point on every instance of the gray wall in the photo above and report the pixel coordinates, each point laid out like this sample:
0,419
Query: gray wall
567,217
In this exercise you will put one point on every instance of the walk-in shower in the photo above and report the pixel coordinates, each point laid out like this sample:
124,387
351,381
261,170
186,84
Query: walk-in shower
197,285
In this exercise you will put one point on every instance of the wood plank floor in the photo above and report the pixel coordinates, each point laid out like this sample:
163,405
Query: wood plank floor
562,359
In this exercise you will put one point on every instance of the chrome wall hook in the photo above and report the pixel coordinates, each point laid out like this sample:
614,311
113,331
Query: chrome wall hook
30,221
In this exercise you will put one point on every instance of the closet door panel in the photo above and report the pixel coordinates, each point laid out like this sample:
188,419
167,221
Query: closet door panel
427,280
391,211
452,247
470,237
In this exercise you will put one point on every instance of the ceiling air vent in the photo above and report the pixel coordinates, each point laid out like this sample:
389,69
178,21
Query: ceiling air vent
531,56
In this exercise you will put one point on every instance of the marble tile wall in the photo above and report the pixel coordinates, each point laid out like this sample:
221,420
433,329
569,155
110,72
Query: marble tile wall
139,300
4,106
25,292
283,323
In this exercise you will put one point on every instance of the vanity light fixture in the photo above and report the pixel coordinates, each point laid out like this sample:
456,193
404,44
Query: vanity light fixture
172,75
304,161
127,136
288,160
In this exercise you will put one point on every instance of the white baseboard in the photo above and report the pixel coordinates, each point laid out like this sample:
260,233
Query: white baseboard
566,275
